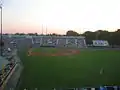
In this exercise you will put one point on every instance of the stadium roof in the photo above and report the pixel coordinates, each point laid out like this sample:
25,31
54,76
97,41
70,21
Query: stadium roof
61,36
3,61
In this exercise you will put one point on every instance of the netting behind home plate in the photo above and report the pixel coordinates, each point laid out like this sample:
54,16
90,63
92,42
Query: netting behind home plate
14,76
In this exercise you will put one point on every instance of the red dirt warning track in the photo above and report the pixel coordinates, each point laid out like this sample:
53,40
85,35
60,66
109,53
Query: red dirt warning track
58,53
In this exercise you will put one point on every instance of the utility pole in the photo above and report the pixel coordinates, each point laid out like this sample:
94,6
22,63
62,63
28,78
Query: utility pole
1,28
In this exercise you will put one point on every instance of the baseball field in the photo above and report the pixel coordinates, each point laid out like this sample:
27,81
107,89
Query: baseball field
56,67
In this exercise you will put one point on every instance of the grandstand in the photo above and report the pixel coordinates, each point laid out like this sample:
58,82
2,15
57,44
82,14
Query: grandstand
60,41
6,65
37,41
3,65
10,67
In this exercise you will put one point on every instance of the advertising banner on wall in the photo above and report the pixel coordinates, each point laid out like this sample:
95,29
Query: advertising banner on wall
100,43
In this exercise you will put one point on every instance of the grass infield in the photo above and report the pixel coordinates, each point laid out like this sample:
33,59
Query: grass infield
74,70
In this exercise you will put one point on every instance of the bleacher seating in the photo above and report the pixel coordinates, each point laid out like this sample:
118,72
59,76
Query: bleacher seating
59,41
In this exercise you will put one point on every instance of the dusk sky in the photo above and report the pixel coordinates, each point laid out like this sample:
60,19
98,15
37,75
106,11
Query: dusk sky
60,15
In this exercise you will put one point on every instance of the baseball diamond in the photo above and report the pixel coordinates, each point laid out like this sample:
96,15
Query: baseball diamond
62,62
59,45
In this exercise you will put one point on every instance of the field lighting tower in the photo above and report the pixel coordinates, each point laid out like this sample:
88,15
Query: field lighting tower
1,29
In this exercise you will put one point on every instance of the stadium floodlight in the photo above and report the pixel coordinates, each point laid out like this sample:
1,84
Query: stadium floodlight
1,27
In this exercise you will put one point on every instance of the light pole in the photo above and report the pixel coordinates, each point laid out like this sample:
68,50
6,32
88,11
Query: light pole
1,27
46,30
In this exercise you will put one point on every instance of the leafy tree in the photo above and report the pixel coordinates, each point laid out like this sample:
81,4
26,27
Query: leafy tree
21,34
89,36
30,33
72,33
36,34
17,33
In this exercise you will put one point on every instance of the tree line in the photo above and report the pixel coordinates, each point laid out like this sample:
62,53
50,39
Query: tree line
112,37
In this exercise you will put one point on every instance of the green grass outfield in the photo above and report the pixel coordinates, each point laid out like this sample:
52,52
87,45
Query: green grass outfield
70,71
